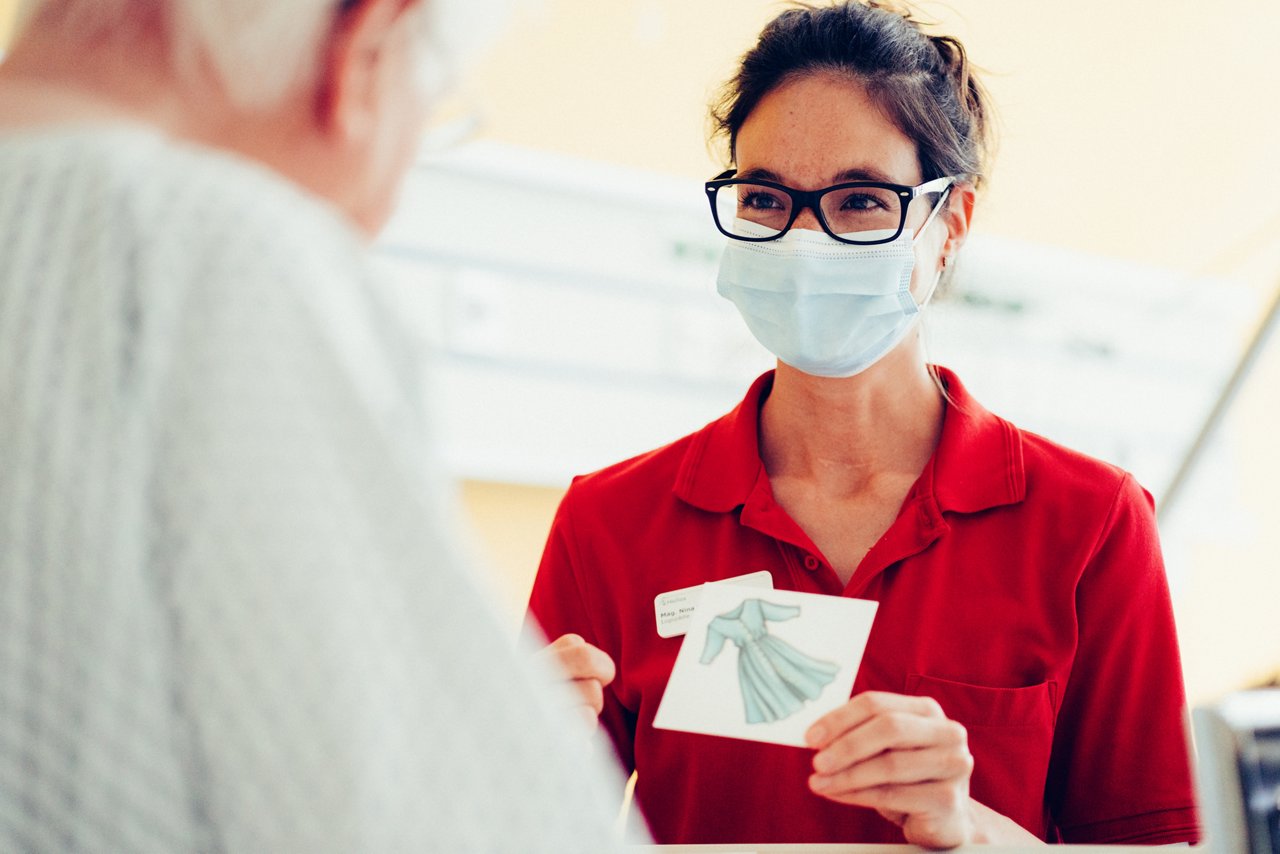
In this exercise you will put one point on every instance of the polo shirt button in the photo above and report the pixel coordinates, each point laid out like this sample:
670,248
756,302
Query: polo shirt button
811,562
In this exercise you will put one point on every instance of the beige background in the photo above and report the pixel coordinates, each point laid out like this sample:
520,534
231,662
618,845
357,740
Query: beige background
1142,130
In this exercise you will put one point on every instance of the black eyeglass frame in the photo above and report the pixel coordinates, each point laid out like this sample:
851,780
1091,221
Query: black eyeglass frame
812,199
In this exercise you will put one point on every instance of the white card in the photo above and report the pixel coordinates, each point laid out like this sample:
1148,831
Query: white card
764,665
673,610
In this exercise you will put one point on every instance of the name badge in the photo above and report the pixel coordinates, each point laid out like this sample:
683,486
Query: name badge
673,610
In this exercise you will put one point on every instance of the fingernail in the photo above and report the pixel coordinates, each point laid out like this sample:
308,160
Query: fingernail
815,736
818,783
820,763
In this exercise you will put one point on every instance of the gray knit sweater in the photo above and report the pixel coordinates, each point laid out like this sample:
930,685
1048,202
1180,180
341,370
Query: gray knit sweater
231,616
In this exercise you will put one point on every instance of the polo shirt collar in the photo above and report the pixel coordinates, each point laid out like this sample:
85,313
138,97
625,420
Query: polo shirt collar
722,463
977,465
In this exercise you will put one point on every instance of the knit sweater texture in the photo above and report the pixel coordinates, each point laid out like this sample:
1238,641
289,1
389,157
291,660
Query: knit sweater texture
233,616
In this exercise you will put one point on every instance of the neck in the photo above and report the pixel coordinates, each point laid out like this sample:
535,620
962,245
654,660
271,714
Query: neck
52,78
57,75
842,434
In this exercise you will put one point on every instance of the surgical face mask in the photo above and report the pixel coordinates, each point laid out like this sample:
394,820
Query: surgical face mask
826,308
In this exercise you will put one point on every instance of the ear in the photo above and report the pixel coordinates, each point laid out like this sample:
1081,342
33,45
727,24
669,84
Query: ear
346,97
957,216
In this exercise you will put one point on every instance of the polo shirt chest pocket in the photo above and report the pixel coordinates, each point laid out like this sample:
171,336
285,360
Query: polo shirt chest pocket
1010,736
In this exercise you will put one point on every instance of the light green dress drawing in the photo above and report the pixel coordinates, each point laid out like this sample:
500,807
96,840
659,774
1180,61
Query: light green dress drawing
776,678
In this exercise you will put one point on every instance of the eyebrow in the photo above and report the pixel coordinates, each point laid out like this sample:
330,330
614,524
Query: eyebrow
857,174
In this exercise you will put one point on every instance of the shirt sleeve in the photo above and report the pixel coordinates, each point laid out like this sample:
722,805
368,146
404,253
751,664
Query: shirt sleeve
1120,771
560,605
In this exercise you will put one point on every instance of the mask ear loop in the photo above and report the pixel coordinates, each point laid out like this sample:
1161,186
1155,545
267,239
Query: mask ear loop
929,293
946,194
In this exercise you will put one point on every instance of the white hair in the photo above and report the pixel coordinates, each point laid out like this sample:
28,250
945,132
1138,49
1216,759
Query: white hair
259,50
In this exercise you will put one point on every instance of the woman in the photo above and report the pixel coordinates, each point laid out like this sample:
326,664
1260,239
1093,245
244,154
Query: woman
231,617
1022,680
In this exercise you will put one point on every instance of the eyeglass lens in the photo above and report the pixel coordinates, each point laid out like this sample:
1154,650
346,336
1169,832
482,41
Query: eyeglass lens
757,210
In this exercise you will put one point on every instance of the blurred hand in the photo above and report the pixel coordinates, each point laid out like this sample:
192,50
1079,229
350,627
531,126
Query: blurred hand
588,668
902,757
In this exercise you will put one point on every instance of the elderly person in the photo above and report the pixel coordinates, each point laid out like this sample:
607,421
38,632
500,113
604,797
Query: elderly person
231,615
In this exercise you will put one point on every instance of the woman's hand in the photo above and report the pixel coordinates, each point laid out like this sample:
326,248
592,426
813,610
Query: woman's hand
903,757
589,670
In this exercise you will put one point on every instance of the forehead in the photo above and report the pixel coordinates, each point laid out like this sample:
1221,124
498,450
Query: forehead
813,128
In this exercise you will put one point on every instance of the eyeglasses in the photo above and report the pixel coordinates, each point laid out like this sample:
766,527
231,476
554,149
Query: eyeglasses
757,210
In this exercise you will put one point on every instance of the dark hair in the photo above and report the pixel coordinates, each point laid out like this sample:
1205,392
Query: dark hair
924,83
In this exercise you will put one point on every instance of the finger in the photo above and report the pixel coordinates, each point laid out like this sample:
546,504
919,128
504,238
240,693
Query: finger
566,642
898,768
932,815
591,692
862,708
889,732
898,818
590,718
908,800
581,660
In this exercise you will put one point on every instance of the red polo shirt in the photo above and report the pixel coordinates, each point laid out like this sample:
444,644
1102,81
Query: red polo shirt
1021,586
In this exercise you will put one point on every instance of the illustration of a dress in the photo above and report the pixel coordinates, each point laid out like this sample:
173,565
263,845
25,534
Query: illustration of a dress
775,678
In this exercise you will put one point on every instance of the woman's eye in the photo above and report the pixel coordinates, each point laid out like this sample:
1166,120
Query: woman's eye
758,201
861,202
